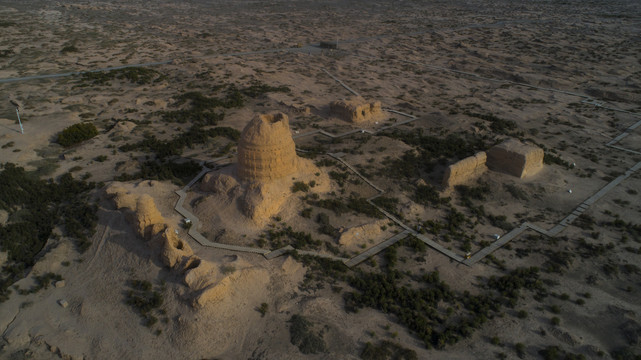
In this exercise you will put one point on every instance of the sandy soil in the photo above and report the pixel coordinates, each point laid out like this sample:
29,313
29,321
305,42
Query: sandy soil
436,61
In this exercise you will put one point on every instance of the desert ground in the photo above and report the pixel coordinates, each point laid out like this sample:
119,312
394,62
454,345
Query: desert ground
362,253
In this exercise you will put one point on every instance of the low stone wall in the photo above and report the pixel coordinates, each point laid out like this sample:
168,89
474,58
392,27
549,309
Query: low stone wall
465,170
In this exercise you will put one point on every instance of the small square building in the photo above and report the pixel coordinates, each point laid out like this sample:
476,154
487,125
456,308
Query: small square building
356,109
515,158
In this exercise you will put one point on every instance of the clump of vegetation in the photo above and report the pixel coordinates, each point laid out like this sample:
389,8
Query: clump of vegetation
500,221
430,150
469,193
76,134
262,309
298,239
135,75
303,336
178,173
174,147
201,108
300,186
387,350
428,195
325,227
388,204
515,192
257,88
42,282
145,300
35,207
549,159
556,353
417,308
69,49
498,125
354,203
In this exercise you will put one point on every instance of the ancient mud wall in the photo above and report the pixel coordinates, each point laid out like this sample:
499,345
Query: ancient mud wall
465,170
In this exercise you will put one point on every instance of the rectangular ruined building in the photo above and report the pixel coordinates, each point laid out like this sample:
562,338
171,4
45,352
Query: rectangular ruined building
515,158
356,109
510,157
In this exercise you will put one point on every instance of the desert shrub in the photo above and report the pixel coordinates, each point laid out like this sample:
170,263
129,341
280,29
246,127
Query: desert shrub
387,350
429,150
428,195
473,192
43,204
297,239
42,282
498,125
414,243
302,335
300,186
556,353
76,134
134,74
257,88
68,49
360,205
178,173
388,204
144,300
549,159
515,192
166,148
500,221
339,177
520,350
262,309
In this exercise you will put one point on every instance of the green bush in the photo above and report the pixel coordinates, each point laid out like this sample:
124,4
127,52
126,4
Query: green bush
76,134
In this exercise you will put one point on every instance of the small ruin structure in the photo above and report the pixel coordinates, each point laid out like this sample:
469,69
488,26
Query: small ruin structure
515,158
356,109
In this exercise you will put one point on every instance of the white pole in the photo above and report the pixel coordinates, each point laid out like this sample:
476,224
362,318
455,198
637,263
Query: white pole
19,122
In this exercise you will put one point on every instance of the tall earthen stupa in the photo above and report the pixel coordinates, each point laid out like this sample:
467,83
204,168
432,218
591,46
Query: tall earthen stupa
266,150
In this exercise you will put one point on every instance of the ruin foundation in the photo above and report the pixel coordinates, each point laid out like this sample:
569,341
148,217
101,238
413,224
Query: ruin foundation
356,109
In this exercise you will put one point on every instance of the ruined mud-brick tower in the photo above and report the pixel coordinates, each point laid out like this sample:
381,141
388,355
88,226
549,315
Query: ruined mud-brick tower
266,150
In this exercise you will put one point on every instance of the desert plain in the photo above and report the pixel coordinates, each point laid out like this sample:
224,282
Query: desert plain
362,247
